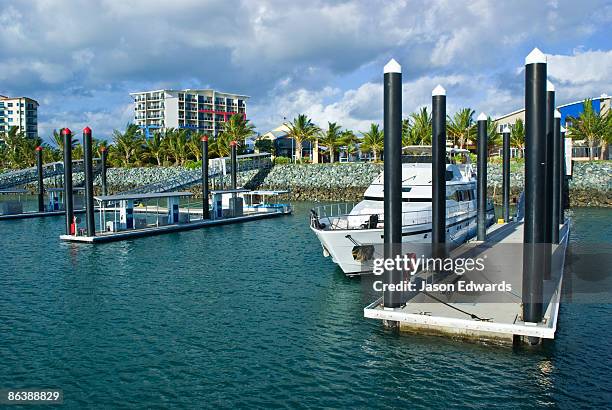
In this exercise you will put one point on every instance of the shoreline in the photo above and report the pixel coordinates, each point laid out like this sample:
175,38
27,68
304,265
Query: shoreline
590,186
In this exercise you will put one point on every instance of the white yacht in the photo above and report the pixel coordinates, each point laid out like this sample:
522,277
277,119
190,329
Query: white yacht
353,235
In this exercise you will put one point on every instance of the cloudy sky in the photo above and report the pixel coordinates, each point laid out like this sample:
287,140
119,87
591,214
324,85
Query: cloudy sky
80,59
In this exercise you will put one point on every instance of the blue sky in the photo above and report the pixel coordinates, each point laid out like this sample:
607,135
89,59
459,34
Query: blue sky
80,59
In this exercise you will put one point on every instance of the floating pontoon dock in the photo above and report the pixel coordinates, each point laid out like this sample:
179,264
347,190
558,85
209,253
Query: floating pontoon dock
481,317
131,216
14,209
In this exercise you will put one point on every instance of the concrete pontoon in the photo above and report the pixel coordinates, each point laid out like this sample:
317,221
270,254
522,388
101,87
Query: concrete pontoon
482,317
128,216
13,209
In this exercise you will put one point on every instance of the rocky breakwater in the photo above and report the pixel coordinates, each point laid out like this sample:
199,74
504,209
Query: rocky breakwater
321,182
590,185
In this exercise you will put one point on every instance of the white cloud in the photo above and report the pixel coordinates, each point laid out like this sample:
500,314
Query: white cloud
357,108
291,57
581,67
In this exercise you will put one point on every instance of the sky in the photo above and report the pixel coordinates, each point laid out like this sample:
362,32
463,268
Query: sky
81,59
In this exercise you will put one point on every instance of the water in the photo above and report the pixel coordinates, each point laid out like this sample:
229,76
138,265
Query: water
254,315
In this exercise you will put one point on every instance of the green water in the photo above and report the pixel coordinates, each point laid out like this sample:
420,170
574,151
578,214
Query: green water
254,315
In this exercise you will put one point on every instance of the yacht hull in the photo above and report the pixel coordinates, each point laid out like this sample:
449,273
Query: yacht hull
355,249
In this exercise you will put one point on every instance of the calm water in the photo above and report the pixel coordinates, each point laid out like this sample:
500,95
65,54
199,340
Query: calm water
253,315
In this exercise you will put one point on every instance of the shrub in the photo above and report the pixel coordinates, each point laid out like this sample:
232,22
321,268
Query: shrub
282,160
193,165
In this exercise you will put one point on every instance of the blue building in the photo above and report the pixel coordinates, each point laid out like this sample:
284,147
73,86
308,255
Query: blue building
601,105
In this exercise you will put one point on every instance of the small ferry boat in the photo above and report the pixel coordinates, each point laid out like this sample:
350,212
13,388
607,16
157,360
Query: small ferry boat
353,235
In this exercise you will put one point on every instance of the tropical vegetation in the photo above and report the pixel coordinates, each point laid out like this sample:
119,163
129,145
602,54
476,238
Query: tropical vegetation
128,148
592,127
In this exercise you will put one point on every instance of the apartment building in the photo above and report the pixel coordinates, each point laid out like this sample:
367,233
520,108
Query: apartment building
601,105
204,110
20,112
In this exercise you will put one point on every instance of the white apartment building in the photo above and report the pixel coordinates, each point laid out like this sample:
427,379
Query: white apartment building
20,112
201,110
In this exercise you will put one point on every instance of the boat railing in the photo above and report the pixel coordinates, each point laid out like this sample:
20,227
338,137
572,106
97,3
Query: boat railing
337,216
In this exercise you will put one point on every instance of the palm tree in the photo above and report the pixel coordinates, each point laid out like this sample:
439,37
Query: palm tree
607,137
373,140
27,151
58,141
155,148
219,146
350,141
461,126
12,141
177,146
127,145
331,139
406,132
493,137
420,130
589,126
301,129
517,136
237,128
194,145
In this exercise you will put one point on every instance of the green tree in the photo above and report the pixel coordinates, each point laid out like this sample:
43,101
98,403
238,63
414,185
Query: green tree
176,145
351,142
373,141
461,126
127,145
155,148
301,129
265,145
12,142
407,132
420,127
219,146
493,137
517,136
331,139
588,126
194,145
238,129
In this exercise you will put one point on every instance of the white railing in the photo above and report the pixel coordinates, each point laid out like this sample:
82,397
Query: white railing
337,216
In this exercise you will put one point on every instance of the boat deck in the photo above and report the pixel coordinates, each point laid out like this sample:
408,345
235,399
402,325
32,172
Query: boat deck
484,317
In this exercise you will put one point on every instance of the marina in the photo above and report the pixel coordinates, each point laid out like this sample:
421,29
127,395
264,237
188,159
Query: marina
121,219
320,205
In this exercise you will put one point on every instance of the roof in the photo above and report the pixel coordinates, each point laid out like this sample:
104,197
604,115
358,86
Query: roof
14,191
601,97
188,90
152,195
4,97
229,191
274,134
62,189
277,132
268,192
244,156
